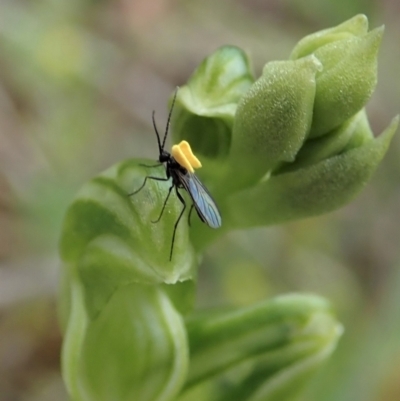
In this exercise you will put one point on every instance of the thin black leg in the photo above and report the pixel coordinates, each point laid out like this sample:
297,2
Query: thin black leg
177,221
154,165
144,183
190,213
165,203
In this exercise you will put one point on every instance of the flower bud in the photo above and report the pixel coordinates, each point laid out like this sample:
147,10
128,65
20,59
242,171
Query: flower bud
345,86
349,75
277,343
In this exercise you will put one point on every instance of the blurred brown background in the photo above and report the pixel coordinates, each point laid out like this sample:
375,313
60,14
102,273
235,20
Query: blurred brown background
78,82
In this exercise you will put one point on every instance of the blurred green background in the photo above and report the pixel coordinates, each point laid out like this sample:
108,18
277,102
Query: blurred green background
78,82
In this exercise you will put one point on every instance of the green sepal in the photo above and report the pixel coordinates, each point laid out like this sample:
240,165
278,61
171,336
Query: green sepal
309,191
334,143
347,80
362,133
270,349
135,350
205,107
272,120
356,26
108,236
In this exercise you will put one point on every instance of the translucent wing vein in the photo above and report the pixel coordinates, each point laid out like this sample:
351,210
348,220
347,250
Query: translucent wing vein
202,200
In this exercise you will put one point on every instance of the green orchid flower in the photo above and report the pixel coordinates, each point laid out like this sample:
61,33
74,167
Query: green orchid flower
293,143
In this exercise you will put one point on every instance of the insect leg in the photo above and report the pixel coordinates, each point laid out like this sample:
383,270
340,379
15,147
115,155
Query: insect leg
154,165
144,183
165,203
190,213
177,221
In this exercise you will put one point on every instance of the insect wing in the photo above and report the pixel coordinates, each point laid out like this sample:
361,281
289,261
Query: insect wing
202,200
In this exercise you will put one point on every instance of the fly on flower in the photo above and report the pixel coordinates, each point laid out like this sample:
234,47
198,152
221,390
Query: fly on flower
179,166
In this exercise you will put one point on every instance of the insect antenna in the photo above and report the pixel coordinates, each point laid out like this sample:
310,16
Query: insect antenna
156,131
169,118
